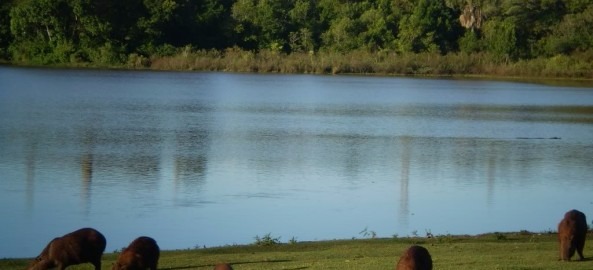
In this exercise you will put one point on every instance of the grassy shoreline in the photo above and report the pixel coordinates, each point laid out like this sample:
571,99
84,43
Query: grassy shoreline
574,68
371,63
519,250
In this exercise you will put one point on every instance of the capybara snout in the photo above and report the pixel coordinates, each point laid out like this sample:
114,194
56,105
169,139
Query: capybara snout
572,231
143,253
415,258
82,246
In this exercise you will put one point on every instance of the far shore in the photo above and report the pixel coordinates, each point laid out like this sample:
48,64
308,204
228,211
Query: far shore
558,70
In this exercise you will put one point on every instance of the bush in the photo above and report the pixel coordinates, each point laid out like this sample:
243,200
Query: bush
267,240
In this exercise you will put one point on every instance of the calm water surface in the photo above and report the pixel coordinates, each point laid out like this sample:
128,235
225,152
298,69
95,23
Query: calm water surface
208,159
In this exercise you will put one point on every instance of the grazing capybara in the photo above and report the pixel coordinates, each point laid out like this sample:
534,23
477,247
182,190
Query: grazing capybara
415,258
143,253
82,246
223,266
572,231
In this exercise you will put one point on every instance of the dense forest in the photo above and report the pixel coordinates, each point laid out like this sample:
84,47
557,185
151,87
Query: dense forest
388,36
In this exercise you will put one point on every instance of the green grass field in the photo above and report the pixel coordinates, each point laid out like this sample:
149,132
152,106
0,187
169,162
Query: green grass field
491,251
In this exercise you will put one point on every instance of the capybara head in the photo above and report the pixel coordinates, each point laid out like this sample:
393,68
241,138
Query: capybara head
143,253
223,266
415,258
82,246
572,232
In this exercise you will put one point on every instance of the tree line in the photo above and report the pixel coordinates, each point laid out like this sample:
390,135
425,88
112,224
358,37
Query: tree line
110,32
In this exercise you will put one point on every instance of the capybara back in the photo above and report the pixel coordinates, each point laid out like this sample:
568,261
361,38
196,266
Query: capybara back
415,258
223,266
81,246
572,231
143,253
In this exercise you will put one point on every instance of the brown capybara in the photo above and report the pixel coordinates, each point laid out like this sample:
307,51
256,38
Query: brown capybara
415,258
143,253
223,266
572,231
82,246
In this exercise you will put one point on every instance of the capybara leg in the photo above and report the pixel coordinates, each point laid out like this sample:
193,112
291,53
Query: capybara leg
97,265
580,252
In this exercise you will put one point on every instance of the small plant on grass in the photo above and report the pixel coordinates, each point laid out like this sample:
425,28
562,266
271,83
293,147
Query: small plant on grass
292,241
500,236
444,238
266,240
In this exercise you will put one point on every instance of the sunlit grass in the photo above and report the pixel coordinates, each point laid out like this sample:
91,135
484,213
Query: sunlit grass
492,251
364,62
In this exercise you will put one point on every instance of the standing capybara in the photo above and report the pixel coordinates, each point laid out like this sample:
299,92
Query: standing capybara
223,266
415,258
82,246
572,231
143,253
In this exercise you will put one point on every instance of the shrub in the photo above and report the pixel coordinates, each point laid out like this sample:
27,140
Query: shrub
266,240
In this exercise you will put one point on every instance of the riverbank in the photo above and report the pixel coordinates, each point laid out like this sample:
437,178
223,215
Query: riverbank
383,63
520,250
363,62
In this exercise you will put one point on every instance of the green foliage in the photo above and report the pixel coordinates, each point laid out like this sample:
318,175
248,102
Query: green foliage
266,240
431,27
55,31
501,39
470,42
573,33
263,23
136,32
500,236
293,241
5,37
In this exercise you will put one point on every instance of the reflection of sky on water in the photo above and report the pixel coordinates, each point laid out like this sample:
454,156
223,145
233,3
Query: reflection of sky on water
213,159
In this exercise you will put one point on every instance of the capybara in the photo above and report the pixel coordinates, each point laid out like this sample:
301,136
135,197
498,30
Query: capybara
572,231
143,253
82,246
223,266
415,258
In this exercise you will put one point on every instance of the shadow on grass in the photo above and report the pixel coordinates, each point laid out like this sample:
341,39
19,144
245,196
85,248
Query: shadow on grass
231,263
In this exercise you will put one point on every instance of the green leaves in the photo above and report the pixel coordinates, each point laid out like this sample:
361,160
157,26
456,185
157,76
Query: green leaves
430,28
107,31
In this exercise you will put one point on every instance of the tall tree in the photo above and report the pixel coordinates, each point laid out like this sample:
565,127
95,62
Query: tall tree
262,23
379,27
574,33
304,26
40,31
501,38
533,20
58,31
5,37
430,27
353,25
212,27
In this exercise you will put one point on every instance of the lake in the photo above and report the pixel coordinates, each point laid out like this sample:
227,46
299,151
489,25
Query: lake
211,159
